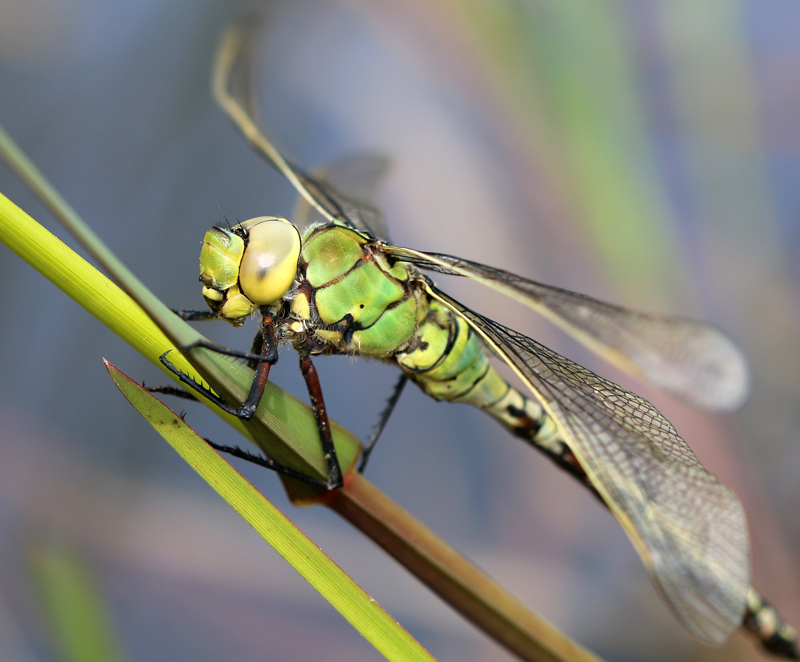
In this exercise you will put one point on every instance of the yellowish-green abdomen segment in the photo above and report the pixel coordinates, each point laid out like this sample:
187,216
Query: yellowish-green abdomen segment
448,361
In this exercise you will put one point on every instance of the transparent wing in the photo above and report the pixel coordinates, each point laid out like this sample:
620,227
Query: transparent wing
689,359
232,87
354,180
687,527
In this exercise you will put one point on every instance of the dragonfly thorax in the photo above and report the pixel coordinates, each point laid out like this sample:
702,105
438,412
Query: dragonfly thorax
350,297
251,265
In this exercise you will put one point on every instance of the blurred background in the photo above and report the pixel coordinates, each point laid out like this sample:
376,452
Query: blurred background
646,153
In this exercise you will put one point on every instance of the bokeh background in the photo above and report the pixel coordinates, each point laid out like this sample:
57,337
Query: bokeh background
643,152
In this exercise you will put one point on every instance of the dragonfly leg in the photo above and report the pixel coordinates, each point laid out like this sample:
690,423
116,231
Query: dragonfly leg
196,315
268,346
265,462
174,391
382,420
196,387
266,358
257,349
335,479
219,349
266,343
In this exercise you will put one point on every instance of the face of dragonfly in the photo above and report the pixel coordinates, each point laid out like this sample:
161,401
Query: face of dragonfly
248,266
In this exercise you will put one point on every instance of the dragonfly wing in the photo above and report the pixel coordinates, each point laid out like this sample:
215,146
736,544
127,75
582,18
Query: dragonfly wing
689,359
232,85
688,528
356,180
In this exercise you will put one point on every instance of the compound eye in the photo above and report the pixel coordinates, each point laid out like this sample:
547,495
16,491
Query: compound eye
269,263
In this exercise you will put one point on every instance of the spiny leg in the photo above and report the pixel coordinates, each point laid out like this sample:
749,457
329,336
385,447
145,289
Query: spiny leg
269,350
335,479
265,345
175,391
189,316
256,349
219,349
397,391
196,315
265,462
266,358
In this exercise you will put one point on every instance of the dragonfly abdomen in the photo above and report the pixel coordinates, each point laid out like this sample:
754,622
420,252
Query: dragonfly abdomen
449,362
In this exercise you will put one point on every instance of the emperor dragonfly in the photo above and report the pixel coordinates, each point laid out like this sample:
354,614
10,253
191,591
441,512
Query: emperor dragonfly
331,283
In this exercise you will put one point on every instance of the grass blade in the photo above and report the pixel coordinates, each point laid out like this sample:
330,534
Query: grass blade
81,629
360,610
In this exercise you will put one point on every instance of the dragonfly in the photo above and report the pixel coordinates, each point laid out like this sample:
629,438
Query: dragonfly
331,282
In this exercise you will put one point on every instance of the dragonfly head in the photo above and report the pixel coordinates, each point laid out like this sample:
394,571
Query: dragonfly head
248,266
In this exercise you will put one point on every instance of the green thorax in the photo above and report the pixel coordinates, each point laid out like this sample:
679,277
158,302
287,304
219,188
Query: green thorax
351,297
